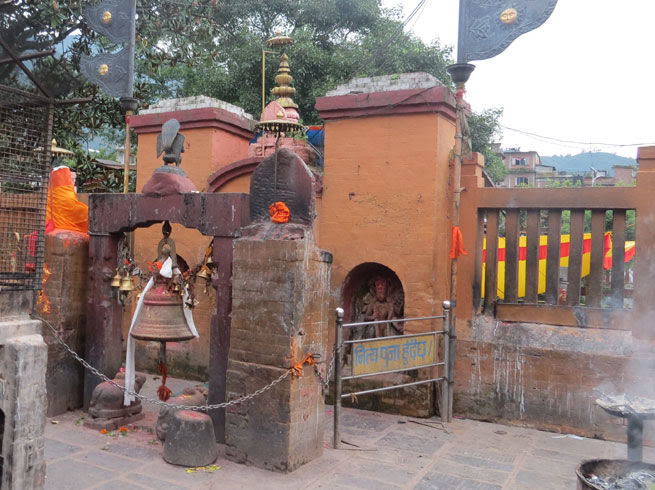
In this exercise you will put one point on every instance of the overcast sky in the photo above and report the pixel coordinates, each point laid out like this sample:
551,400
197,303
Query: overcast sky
586,75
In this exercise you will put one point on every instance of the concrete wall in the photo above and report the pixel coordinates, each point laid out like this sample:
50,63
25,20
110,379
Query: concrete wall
386,199
23,358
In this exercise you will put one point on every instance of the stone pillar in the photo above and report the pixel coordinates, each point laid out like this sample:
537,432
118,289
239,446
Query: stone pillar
23,357
103,348
220,331
280,313
67,257
645,253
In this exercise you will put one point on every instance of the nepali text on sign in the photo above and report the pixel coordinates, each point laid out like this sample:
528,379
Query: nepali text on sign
393,354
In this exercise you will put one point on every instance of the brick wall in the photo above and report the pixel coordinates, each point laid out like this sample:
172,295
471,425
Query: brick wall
67,257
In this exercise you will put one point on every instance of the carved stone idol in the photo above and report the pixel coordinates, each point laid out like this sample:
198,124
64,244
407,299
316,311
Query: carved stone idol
383,301
106,406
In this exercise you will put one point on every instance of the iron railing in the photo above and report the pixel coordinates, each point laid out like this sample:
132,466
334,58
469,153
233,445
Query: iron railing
404,350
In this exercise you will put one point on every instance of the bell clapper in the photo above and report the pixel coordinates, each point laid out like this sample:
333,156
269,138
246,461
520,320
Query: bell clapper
163,391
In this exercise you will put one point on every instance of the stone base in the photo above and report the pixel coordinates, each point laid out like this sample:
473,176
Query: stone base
279,430
23,355
112,424
548,377
190,440
168,180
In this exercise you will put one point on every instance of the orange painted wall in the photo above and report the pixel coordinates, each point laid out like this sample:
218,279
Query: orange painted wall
385,200
238,184
205,150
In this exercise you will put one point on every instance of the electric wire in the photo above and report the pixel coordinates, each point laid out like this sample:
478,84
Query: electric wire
583,143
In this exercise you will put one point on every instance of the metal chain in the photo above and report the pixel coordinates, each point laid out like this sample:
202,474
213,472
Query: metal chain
154,401
328,374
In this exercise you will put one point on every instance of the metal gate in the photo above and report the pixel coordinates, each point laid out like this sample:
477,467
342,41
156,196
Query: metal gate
395,354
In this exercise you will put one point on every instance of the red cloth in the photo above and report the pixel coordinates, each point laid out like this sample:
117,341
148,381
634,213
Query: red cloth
457,244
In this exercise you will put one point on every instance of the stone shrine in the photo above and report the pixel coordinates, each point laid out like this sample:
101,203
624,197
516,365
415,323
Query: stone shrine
280,314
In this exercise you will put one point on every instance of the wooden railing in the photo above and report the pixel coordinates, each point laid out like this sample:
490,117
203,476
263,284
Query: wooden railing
570,295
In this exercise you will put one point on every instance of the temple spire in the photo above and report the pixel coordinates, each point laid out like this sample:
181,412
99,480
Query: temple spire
284,91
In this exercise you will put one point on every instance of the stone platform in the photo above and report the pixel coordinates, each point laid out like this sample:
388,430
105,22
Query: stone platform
384,452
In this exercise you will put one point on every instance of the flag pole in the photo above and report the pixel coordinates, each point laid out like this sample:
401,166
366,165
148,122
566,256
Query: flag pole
129,103
460,74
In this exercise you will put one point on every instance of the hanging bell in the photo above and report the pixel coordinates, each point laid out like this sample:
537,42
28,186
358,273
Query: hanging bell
126,284
203,273
116,280
162,316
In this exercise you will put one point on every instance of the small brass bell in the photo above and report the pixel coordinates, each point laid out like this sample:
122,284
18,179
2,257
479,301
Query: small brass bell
203,273
126,284
116,280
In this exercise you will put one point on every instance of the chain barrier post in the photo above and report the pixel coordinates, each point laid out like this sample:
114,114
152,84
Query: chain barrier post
445,383
338,342
452,337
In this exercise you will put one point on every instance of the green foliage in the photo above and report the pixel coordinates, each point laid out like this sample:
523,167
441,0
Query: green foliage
214,48
485,129
558,183
335,40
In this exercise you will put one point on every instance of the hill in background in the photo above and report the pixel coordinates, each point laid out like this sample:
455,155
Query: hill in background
583,161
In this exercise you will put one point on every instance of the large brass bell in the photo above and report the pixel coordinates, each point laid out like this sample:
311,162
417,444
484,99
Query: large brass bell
162,315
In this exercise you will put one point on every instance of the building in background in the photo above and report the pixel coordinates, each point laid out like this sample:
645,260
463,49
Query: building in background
521,166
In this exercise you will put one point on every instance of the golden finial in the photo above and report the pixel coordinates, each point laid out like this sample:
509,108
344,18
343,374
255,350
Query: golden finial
284,91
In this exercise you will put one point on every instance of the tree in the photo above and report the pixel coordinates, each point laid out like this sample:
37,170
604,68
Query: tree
485,129
211,47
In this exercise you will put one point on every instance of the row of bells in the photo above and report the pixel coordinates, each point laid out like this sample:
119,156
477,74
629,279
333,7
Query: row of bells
124,283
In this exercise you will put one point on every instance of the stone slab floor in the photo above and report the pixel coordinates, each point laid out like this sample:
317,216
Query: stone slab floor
384,452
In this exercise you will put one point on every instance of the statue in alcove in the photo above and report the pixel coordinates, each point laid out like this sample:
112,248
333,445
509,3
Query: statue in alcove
380,299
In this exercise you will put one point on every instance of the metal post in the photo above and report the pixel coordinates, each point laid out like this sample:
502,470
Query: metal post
338,344
635,434
263,81
129,95
127,155
452,337
445,383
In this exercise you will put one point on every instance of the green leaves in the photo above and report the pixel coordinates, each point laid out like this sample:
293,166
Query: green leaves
214,48
485,129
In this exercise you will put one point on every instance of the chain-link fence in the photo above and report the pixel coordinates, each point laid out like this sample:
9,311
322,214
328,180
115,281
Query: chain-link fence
25,132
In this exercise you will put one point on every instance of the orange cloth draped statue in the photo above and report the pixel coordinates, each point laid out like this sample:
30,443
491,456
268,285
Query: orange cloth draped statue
63,210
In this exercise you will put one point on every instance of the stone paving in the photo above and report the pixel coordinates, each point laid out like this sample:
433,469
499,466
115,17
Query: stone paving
382,452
